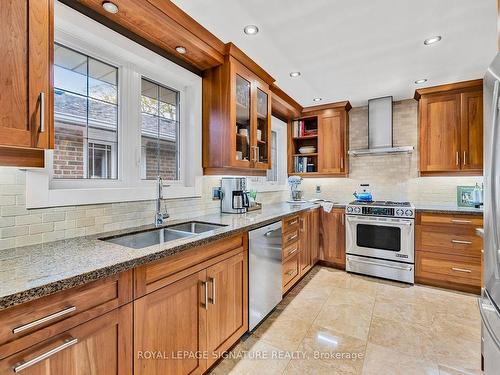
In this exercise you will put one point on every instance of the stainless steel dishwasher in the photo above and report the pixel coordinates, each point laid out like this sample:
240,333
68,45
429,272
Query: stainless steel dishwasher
264,272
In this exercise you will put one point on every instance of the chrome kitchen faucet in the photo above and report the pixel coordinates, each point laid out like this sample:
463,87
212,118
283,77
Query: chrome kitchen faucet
160,217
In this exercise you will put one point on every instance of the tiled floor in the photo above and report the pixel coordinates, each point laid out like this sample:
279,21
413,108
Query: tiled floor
338,323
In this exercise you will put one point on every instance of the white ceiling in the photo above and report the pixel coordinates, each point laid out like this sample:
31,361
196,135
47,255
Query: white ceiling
356,49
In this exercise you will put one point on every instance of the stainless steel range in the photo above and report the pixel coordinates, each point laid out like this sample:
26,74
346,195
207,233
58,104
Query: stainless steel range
380,239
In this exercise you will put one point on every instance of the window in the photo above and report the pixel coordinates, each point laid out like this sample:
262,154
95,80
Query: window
159,131
85,116
272,174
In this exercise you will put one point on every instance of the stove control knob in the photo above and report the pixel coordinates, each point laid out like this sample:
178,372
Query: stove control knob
399,212
357,210
409,213
349,209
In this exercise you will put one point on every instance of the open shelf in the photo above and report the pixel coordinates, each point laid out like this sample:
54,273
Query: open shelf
308,155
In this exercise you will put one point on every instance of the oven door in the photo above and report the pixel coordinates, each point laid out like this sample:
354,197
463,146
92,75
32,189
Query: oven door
380,237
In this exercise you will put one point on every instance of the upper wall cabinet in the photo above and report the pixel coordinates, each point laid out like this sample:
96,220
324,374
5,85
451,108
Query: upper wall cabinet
25,91
451,129
236,117
318,141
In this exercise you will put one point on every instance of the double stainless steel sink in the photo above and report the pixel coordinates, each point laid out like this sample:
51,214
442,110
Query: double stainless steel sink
140,240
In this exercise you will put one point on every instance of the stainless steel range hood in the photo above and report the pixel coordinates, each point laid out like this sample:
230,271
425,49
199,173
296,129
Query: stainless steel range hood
380,130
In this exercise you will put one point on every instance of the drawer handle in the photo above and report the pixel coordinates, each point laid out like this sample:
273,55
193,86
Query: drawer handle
25,364
460,270
293,251
46,319
462,242
42,112
290,273
293,222
292,237
456,221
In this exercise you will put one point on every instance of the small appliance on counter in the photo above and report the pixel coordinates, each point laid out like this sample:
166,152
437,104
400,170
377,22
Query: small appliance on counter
233,195
365,195
296,195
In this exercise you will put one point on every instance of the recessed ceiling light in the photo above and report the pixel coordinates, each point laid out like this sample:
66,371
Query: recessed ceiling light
419,81
432,40
295,74
182,50
110,7
317,99
251,29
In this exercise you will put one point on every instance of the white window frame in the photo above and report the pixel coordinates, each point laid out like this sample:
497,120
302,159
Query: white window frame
261,184
76,31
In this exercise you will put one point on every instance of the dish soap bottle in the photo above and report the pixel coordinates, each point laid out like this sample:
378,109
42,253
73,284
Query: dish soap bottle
477,198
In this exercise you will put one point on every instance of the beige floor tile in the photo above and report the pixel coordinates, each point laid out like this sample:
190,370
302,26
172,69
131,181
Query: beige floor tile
403,310
284,332
403,337
303,308
348,319
342,296
253,357
445,370
383,361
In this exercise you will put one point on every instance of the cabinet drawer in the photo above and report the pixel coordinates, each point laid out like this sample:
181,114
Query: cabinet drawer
291,224
448,268
100,346
445,219
290,270
38,320
156,275
290,250
448,241
291,237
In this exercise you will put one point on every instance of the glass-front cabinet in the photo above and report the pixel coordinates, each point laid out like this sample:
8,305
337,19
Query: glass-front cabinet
251,112
236,120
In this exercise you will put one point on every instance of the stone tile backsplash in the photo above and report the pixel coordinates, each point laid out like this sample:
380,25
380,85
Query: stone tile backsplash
393,177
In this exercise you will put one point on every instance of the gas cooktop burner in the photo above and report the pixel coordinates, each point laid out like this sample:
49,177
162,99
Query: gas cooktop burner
382,203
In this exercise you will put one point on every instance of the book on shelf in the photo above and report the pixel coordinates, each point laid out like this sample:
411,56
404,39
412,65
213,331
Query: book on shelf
300,164
299,129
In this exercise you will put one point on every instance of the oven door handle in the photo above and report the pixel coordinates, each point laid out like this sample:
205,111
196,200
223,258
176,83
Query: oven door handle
374,220
408,268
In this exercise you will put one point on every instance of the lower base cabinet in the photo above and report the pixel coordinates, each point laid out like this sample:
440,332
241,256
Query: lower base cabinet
182,328
102,346
332,237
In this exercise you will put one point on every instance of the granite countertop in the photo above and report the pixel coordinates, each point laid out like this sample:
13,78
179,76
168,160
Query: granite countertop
31,272
448,209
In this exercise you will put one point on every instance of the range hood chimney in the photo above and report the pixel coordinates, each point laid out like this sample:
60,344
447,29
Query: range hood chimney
380,130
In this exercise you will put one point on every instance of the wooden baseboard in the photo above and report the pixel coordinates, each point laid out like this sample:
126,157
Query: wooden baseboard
449,285
339,266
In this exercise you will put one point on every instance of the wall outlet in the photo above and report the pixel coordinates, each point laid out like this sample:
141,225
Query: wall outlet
318,189
216,193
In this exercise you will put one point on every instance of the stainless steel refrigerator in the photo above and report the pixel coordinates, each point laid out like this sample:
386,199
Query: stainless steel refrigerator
489,304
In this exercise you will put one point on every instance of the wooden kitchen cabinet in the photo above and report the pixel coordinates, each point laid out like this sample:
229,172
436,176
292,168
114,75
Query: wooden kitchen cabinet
26,95
314,229
236,117
102,346
305,257
451,129
227,314
326,129
201,315
170,320
332,237
448,252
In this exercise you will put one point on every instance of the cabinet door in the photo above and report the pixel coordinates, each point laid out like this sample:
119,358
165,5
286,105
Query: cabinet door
471,133
332,237
168,321
25,54
440,133
262,135
227,313
304,245
102,346
332,143
314,234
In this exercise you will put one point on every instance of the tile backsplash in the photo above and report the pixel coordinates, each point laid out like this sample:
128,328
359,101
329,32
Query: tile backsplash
392,177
